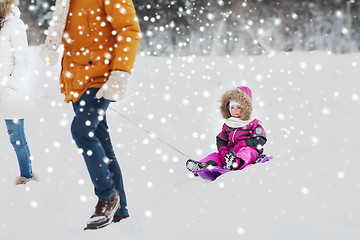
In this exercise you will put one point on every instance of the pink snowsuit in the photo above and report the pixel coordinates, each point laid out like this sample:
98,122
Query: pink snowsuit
250,137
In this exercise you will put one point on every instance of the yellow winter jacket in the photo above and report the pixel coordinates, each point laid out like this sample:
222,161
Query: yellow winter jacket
100,36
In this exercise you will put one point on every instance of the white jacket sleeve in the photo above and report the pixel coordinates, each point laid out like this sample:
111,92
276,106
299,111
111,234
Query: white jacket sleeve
19,44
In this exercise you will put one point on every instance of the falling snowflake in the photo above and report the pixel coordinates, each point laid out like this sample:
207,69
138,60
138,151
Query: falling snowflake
34,204
281,116
305,190
341,175
315,140
83,198
240,231
57,144
326,111
148,213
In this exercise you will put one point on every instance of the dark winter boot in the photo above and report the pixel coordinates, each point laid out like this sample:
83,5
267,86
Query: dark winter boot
232,162
193,166
118,218
104,213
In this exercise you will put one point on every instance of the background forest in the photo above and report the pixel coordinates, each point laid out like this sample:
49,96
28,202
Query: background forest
233,27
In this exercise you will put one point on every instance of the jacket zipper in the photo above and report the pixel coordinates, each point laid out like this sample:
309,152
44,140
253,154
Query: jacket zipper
234,136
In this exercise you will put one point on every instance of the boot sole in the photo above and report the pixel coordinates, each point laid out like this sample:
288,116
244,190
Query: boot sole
118,220
193,166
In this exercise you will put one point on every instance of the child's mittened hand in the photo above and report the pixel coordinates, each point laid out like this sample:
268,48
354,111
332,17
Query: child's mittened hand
223,151
114,88
240,145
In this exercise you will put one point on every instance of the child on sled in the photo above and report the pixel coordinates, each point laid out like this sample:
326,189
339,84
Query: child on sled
242,138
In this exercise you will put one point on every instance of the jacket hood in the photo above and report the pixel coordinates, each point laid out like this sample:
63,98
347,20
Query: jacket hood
242,95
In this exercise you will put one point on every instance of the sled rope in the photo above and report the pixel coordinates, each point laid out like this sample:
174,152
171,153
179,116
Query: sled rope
150,133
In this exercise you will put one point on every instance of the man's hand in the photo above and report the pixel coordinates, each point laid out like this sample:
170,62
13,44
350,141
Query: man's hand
114,88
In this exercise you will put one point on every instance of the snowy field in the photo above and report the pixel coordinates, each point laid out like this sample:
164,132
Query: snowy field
309,104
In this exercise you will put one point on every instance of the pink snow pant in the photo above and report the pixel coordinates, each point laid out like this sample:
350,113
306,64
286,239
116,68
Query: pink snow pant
247,154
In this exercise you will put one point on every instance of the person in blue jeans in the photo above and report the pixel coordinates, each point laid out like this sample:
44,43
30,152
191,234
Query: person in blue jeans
17,137
96,65
13,65
90,132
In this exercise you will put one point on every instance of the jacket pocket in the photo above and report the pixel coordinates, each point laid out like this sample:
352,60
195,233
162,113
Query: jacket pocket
89,74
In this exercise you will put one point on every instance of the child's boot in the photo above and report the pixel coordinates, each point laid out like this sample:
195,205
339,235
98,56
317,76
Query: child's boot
232,162
193,166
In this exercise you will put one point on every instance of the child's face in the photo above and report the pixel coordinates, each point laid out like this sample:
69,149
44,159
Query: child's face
235,111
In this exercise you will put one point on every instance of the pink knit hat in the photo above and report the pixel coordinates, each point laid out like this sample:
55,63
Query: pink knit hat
246,90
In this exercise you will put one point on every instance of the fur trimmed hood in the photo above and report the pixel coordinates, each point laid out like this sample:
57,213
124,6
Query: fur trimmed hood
242,95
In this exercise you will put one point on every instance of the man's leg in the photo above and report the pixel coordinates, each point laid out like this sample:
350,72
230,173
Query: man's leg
88,115
102,133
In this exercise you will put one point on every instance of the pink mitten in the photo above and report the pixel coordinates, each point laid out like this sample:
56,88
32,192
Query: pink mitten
222,152
239,145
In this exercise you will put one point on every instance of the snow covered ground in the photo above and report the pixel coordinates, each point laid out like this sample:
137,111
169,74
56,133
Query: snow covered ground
309,104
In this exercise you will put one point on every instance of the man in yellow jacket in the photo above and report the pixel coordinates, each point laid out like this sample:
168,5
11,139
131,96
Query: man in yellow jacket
101,39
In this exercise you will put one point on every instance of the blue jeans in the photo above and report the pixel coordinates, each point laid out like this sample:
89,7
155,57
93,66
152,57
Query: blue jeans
90,132
17,138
